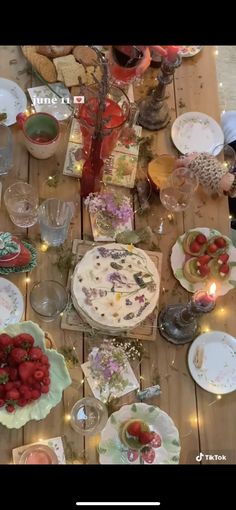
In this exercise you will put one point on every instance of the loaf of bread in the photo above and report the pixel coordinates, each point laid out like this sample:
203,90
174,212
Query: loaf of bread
42,64
54,51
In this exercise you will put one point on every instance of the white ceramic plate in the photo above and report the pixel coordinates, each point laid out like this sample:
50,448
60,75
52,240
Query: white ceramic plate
12,100
217,373
190,51
11,303
177,260
59,110
228,124
196,132
112,450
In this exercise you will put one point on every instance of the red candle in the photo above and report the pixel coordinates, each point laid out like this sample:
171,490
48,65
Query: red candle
172,53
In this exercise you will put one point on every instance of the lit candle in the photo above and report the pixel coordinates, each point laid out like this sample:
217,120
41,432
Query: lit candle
204,301
172,53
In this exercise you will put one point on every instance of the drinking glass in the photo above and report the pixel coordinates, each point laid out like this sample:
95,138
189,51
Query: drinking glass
54,220
126,63
48,299
176,196
228,155
6,149
89,416
116,114
21,202
38,454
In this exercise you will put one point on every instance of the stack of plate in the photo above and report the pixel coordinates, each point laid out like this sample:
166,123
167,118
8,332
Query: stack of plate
228,123
115,287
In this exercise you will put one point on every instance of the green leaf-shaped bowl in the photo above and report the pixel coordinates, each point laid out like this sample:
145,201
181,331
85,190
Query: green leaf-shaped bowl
59,375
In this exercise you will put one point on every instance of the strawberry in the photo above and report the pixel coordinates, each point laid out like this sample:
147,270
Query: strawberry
224,269
10,408
6,342
195,247
26,370
44,360
35,394
38,375
9,386
18,355
13,374
145,437
44,388
134,428
220,242
2,402
222,259
37,386
132,455
22,402
156,440
13,394
148,455
201,239
3,376
24,340
47,380
204,270
203,260
35,353
212,248
3,356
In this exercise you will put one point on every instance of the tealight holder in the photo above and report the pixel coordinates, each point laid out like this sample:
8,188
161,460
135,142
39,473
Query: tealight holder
179,323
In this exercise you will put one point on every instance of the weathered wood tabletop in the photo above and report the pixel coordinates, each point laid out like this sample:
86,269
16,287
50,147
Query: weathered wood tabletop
205,423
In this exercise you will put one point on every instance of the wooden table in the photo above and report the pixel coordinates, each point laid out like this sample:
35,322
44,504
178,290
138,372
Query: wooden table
205,424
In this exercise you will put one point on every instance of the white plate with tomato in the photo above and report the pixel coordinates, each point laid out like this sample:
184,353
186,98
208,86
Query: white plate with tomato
202,256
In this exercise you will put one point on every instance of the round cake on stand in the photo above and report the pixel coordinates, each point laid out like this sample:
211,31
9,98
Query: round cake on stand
115,287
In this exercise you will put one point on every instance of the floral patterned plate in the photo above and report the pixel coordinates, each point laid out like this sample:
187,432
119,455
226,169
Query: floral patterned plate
197,132
59,375
178,258
11,303
167,451
12,100
216,371
190,51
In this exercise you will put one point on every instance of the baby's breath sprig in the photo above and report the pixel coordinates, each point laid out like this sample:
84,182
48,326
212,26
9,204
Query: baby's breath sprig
133,349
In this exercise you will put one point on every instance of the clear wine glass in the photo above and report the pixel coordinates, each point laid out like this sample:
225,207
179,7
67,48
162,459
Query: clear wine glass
227,153
176,195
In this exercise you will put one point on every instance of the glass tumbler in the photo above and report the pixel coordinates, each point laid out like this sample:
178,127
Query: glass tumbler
54,219
89,416
6,149
21,203
48,299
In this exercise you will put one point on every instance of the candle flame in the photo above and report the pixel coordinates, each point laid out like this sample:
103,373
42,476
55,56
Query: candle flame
212,289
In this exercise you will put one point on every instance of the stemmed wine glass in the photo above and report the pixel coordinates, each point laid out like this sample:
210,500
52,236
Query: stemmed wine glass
228,154
176,195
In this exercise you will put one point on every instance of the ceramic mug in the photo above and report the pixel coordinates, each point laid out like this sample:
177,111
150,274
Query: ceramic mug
41,134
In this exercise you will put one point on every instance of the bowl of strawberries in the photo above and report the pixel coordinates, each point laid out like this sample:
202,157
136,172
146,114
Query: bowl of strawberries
32,377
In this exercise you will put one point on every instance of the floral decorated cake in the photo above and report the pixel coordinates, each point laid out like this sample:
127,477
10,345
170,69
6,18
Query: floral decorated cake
115,287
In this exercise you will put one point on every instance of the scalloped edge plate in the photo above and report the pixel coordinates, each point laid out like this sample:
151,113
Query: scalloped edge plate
189,133
218,371
190,51
60,380
177,259
111,449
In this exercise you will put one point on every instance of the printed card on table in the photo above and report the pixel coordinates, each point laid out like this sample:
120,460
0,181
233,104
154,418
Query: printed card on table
120,168
130,383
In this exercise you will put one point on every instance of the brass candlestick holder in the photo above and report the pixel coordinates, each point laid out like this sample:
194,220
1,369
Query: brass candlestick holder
153,110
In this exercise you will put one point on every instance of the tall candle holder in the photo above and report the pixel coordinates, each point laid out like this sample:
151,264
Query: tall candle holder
179,323
154,113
